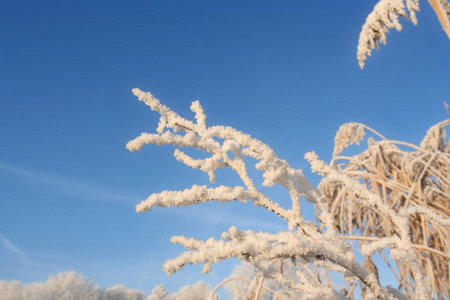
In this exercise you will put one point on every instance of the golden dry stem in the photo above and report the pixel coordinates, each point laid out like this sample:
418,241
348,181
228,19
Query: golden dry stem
402,179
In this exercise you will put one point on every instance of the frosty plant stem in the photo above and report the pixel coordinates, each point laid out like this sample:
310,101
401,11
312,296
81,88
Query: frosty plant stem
304,243
414,181
385,15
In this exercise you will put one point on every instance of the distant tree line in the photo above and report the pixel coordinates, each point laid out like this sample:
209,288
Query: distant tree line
74,286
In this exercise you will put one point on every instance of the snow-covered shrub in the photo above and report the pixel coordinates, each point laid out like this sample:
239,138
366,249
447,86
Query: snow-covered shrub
121,292
67,286
11,290
70,285
63,286
199,290
321,244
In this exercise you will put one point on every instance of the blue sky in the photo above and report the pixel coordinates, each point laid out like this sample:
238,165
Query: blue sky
283,71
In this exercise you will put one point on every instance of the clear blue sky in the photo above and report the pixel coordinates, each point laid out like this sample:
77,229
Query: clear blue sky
283,71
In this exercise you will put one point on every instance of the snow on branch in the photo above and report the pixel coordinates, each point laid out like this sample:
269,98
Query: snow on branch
401,246
383,17
305,242
412,181
240,145
195,195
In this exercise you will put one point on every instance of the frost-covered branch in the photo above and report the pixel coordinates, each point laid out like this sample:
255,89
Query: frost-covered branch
400,246
385,16
412,186
303,244
230,153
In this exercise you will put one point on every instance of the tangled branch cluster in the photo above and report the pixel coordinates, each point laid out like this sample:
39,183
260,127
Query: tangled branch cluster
305,242
405,180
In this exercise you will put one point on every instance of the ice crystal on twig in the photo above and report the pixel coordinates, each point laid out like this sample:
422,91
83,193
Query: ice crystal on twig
385,16
305,242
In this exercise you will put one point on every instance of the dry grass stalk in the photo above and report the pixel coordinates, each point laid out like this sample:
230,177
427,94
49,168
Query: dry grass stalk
402,179
442,9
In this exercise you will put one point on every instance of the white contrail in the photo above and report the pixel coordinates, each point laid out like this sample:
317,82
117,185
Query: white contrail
67,185
150,262
13,248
